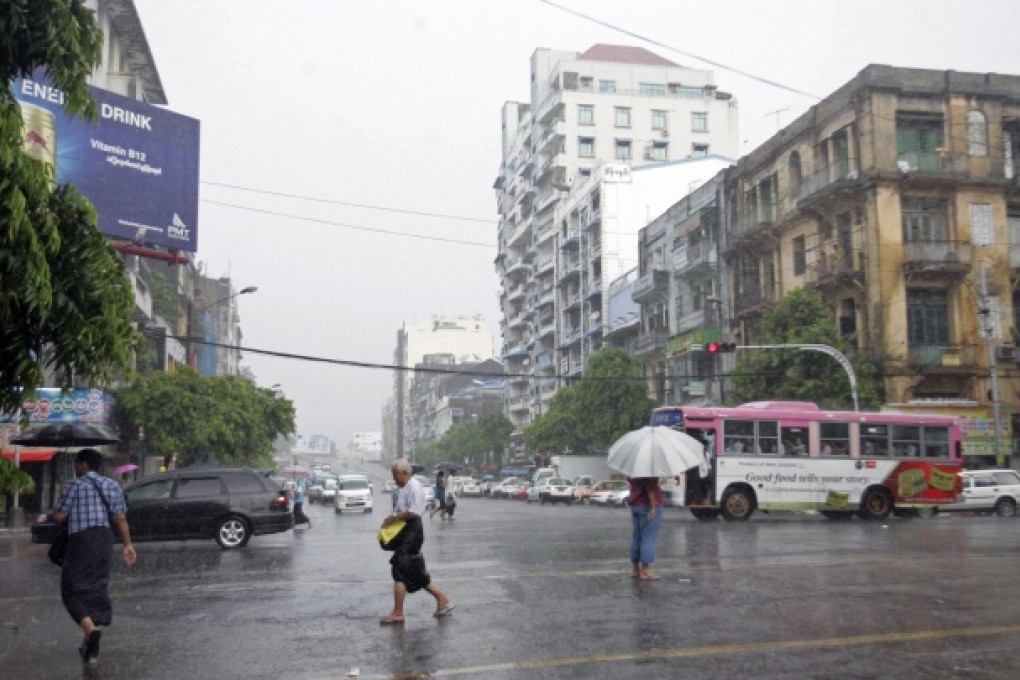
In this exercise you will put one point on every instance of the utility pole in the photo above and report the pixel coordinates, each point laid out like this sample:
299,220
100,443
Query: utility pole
988,331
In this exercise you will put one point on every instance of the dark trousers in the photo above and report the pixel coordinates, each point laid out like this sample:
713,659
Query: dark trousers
85,578
407,563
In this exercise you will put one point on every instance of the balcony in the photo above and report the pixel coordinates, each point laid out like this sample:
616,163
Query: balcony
752,224
544,262
932,164
650,286
571,241
517,293
649,342
571,336
753,298
835,268
690,320
937,258
950,357
831,178
696,258
143,295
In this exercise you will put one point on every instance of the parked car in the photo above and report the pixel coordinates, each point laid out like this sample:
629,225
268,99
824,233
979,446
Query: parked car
583,487
987,491
229,505
619,497
470,487
559,490
604,489
353,493
522,492
389,487
430,489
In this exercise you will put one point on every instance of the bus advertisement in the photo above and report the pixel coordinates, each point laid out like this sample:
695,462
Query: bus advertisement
781,455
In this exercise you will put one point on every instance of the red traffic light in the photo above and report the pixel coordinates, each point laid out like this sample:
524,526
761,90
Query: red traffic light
721,347
713,347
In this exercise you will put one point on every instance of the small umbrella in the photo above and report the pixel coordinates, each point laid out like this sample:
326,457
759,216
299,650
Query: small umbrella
123,469
63,435
655,452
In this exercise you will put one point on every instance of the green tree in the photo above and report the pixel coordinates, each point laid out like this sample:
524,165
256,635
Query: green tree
12,479
65,303
226,419
469,442
803,317
609,401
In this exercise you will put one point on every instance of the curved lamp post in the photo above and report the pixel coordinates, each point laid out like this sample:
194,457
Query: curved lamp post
192,359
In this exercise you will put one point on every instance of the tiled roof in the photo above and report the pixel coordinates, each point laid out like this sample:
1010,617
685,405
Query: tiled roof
624,55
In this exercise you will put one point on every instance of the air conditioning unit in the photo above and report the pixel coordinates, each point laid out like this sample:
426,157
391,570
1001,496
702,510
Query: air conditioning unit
665,132
1006,352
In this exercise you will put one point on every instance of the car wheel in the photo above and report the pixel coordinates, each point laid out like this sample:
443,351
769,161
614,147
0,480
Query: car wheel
1005,507
232,532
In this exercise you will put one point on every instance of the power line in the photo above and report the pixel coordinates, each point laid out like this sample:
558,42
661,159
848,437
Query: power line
366,206
373,230
679,51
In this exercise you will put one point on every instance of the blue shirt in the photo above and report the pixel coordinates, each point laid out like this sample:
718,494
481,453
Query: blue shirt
411,498
81,501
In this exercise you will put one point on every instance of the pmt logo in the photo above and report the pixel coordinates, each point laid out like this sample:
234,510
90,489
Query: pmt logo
177,229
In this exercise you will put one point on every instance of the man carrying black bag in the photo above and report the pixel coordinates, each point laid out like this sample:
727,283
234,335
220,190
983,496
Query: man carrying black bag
91,503
407,564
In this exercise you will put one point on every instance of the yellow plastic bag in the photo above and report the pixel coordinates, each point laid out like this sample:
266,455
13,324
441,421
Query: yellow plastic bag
389,533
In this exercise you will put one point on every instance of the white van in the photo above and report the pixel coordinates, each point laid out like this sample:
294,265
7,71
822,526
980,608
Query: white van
542,473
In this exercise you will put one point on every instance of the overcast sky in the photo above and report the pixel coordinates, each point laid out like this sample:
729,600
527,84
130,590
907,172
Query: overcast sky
396,104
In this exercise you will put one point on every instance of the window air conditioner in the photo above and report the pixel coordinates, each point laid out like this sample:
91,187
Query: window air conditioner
1006,352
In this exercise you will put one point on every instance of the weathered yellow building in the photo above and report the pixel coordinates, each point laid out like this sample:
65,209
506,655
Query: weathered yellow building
898,196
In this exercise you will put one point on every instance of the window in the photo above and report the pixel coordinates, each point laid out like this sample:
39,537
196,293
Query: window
794,441
794,174
906,441
192,487
658,151
977,134
834,439
157,489
607,86
242,482
981,229
658,120
768,437
841,150
936,442
652,89
738,436
918,141
623,149
585,115
622,116
699,150
799,256
699,122
691,92
874,441
924,220
927,318
584,84
586,147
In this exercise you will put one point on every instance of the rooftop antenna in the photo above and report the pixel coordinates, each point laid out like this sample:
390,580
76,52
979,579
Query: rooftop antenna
776,114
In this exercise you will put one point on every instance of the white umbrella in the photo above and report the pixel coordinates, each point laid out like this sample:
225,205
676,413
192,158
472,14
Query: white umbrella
657,451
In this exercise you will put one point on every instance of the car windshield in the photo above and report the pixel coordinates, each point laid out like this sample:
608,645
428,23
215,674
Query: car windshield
352,484
558,481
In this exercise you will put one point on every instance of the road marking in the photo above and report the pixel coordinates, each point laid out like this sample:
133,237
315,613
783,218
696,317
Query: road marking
708,650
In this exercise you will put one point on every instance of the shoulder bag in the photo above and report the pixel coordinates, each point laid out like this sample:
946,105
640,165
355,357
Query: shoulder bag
390,535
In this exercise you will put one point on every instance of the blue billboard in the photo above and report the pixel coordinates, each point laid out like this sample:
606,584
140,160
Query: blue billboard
137,164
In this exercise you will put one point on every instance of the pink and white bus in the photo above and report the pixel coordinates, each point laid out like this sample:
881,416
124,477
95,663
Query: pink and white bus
782,455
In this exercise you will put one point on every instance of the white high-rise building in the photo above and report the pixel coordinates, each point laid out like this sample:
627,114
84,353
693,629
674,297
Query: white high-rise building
610,138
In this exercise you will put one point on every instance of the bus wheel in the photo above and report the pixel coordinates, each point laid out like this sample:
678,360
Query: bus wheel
705,514
876,504
837,515
737,505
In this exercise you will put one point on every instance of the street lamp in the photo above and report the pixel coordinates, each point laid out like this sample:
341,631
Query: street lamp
192,359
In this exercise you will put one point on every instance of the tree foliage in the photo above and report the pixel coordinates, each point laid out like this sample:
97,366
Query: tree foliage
12,479
65,303
226,419
470,442
802,317
609,401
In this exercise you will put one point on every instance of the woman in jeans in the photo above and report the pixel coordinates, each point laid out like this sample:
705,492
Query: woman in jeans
645,503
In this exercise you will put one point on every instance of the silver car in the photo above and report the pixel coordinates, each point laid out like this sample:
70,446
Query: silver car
995,491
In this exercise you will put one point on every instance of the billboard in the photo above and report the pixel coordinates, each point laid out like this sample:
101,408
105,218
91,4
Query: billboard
137,164
53,405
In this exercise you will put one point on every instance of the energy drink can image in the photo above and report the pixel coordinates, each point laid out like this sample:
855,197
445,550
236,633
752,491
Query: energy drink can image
39,136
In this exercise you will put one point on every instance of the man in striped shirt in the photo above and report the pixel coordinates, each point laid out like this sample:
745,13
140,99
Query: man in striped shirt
85,578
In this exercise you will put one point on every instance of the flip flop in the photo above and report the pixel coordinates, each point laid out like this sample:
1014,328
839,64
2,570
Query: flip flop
390,620
651,577
445,610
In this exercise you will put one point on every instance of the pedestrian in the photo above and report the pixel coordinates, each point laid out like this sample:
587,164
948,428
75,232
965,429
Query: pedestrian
451,505
88,503
407,564
299,504
646,516
440,496
125,481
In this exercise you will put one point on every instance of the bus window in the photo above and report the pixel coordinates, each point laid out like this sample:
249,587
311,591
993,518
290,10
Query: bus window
936,441
738,436
794,441
874,441
768,437
835,439
906,441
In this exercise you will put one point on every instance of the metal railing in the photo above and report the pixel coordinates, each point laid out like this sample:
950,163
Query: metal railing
936,252
931,356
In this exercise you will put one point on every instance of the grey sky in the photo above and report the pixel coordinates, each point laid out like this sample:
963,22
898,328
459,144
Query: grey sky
397,104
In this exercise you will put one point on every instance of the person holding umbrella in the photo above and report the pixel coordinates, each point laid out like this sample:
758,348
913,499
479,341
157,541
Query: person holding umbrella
646,517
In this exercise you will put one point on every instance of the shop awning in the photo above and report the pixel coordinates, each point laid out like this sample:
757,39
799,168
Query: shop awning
32,455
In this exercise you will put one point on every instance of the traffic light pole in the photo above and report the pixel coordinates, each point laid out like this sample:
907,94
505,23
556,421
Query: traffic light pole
824,349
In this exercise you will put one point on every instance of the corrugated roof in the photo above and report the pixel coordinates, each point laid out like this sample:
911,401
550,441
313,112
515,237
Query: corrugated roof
624,54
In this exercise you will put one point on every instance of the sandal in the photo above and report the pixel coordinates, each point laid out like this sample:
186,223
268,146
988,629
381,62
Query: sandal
445,610
390,620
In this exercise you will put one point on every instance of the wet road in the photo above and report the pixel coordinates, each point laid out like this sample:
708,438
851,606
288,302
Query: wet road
545,592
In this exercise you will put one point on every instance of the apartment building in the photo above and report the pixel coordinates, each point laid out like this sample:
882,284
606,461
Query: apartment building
594,119
897,196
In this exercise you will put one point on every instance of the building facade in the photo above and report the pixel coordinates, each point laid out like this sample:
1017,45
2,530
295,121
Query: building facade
593,120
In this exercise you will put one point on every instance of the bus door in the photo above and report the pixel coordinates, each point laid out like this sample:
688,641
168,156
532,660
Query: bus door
698,487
